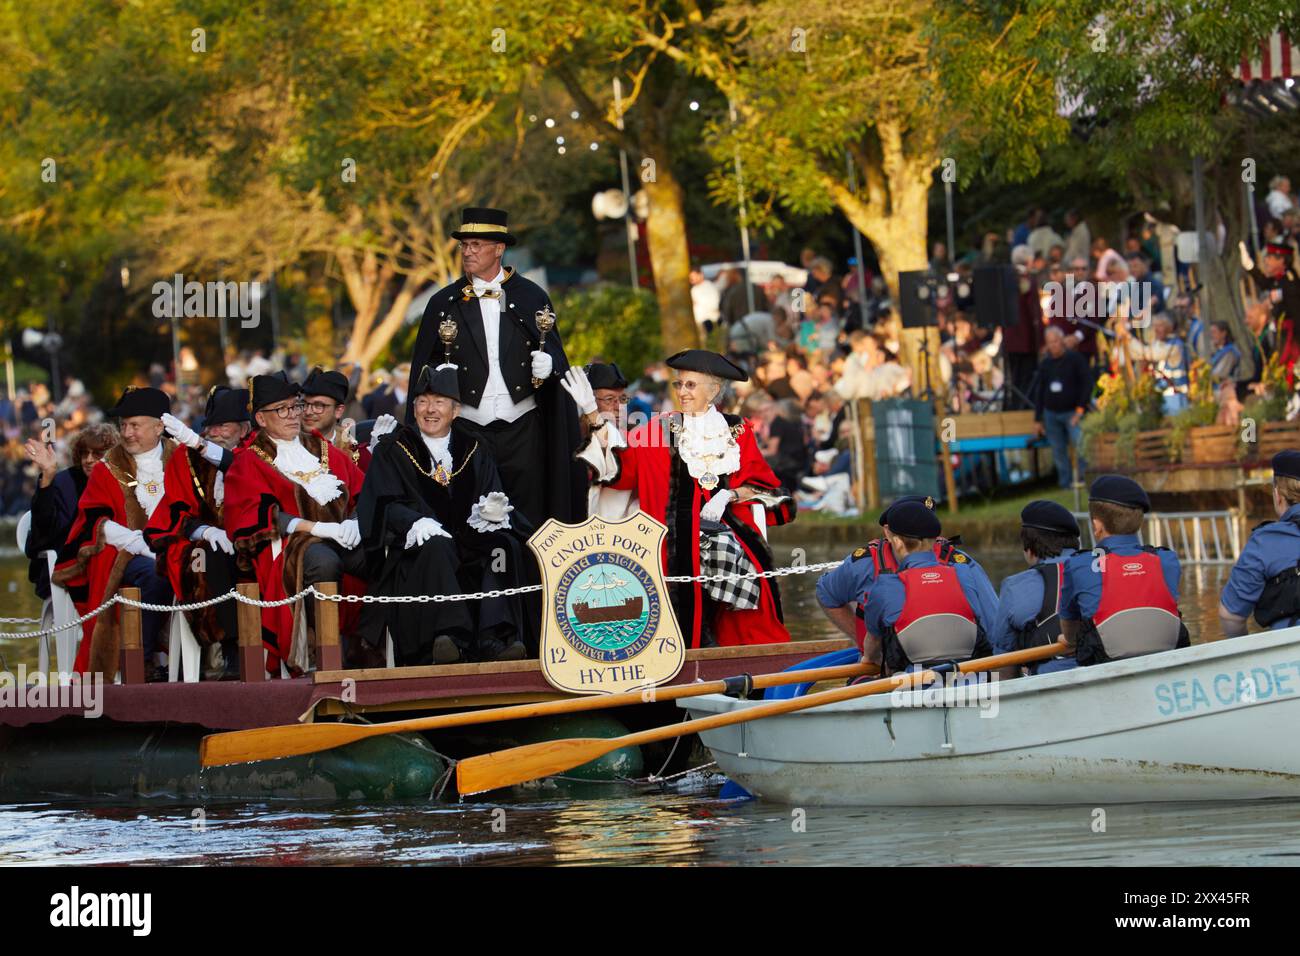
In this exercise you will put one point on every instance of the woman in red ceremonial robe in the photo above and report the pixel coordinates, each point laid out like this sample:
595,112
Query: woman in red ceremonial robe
700,472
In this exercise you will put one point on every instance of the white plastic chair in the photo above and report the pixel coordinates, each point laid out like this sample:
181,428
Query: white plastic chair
59,609
184,654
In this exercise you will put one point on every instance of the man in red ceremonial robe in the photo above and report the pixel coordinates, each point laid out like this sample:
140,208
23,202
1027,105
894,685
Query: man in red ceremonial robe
186,532
325,396
700,473
106,549
289,501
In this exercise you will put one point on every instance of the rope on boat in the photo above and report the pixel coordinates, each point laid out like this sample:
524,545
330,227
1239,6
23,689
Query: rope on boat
310,591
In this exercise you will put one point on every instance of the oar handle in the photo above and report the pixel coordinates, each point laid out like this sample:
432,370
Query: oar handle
851,692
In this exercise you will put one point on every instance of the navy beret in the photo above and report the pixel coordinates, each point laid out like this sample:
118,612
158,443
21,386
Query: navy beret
1119,490
1049,516
903,499
912,519
1286,464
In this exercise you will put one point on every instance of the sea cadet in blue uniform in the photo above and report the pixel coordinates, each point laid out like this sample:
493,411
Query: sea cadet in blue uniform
842,590
926,611
1120,599
1030,602
1266,578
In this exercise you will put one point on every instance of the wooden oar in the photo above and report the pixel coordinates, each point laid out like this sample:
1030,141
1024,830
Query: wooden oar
505,768
269,743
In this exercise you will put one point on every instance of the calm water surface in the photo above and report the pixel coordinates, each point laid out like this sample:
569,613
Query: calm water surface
680,824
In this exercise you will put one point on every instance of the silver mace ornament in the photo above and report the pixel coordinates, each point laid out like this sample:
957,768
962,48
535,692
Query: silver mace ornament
447,330
545,322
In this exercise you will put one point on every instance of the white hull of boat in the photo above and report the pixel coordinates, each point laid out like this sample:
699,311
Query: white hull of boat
1219,721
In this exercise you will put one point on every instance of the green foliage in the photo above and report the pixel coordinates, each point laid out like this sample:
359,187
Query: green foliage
610,323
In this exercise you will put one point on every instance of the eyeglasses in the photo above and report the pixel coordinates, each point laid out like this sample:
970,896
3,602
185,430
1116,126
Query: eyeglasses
612,400
286,411
474,245
317,408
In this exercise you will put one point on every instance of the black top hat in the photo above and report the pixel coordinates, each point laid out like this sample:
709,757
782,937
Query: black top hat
269,389
708,363
600,375
481,222
442,380
150,402
330,384
225,405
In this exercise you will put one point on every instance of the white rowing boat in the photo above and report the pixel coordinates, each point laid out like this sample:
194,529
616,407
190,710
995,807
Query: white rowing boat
1213,722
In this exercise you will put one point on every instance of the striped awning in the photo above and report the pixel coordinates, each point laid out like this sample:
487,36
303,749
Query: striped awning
1277,58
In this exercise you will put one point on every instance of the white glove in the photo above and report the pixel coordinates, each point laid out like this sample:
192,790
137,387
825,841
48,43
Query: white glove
579,388
491,512
542,365
180,431
124,539
423,530
716,506
382,426
1247,262
217,539
346,533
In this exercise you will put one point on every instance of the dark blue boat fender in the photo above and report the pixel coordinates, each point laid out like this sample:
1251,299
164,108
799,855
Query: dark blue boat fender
834,659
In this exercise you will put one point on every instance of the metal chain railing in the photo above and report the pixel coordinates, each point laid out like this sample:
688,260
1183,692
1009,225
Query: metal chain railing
311,591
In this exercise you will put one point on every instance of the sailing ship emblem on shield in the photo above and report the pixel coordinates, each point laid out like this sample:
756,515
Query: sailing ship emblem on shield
607,623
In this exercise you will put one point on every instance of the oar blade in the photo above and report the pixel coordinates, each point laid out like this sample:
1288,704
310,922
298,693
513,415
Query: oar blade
505,768
271,743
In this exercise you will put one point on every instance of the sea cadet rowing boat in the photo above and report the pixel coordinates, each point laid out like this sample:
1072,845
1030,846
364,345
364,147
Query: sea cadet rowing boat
1210,722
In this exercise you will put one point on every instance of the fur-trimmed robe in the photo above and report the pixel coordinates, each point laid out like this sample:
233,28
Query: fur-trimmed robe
256,492
188,502
651,467
90,568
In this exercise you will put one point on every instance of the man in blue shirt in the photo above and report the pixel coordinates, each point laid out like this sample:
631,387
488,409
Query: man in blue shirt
1121,599
1264,580
1028,612
842,589
927,611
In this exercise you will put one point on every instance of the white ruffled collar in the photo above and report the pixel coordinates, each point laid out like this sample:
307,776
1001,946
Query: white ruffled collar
439,448
707,445
295,462
149,478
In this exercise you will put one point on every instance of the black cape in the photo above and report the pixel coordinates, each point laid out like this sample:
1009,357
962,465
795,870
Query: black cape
565,478
398,492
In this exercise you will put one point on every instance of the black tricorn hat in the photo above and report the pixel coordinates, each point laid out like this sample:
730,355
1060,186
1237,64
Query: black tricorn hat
331,384
709,363
150,402
268,389
601,375
442,380
482,222
225,405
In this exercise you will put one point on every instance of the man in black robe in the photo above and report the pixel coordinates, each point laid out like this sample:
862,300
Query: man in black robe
434,520
512,402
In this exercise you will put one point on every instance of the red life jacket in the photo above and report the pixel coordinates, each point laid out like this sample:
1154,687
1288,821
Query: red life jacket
884,562
1136,615
936,623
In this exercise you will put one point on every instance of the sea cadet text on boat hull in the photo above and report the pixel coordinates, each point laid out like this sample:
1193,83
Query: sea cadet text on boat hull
1211,722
